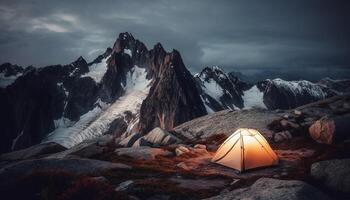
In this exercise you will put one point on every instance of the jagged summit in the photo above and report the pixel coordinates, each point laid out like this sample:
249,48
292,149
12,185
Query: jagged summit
85,99
218,91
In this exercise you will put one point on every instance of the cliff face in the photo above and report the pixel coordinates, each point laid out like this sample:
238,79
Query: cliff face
173,97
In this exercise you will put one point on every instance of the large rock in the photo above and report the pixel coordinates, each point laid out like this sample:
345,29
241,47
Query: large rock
12,172
157,137
144,152
330,130
227,122
274,189
33,151
130,140
335,174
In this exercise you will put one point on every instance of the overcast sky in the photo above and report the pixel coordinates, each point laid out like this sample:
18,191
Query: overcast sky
233,34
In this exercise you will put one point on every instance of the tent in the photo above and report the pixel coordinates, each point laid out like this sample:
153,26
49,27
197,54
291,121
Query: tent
245,149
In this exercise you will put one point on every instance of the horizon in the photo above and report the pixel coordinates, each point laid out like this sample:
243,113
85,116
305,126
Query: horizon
231,34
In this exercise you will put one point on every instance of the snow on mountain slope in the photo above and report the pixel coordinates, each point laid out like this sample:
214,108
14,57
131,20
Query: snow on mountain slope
97,121
218,91
300,87
8,80
136,79
281,94
213,89
96,71
253,98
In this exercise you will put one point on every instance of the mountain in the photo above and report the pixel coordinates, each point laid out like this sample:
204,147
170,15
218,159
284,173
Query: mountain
280,94
126,88
9,73
128,91
218,90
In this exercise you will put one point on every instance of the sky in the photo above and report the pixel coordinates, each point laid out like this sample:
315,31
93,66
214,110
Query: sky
234,34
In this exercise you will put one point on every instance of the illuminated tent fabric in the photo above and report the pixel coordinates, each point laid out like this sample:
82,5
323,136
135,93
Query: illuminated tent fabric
245,149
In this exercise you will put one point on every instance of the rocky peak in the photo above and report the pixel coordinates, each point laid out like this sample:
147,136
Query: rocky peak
281,94
125,40
173,97
218,90
9,69
102,56
80,65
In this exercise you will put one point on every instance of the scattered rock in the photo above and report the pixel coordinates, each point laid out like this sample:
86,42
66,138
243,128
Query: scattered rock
212,147
141,142
274,189
199,151
200,146
294,155
335,174
297,112
181,150
124,185
145,152
160,137
330,130
33,152
282,136
183,166
288,124
130,140
235,181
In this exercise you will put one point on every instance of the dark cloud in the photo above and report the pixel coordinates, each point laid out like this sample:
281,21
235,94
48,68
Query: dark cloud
234,34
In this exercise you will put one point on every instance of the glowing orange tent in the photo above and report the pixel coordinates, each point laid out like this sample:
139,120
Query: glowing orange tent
245,149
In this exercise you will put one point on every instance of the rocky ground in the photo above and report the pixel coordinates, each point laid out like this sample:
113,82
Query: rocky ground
176,164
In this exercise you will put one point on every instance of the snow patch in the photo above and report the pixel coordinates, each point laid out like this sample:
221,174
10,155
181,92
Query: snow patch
136,80
128,51
213,89
14,142
96,71
205,102
300,87
8,80
97,121
253,98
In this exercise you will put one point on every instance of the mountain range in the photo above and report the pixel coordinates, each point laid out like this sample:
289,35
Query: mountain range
128,91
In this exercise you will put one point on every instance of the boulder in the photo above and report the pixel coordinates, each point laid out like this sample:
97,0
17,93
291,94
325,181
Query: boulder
181,150
282,136
124,185
160,137
33,152
274,189
130,140
200,146
145,152
141,142
183,166
335,174
330,130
